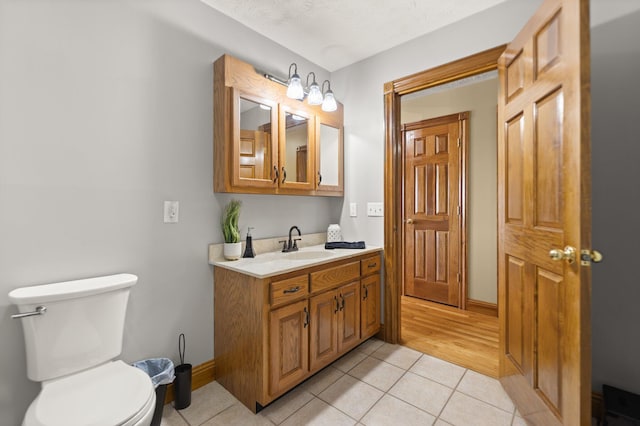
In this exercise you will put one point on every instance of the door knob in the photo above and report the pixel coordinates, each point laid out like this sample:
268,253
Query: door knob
568,254
409,221
588,256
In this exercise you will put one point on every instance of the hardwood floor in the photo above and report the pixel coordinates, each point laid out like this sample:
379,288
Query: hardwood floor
465,338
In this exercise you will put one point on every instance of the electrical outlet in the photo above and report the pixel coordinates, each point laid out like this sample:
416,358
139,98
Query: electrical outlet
375,209
353,209
171,209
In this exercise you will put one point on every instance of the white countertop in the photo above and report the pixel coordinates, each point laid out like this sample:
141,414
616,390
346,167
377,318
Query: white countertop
275,263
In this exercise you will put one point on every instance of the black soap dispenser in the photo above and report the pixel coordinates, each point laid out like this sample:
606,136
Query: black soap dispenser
248,250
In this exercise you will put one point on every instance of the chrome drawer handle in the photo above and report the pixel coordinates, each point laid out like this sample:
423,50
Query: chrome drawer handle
40,310
292,290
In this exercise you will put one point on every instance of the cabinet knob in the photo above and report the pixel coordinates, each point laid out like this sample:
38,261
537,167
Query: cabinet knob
284,174
276,173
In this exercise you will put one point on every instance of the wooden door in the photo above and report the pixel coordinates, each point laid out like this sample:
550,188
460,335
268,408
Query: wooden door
544,205
349,316
323,329
370,305
433,208
289,346
254,154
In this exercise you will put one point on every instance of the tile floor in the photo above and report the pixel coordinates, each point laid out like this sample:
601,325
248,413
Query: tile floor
375,384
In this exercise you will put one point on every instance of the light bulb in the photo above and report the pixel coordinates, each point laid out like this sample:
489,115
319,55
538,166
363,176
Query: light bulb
329,104
294,90
315,95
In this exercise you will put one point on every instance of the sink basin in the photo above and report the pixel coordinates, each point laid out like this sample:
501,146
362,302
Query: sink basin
308,255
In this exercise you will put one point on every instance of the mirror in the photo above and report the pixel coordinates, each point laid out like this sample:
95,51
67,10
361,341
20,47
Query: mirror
255,140
296,152
329,155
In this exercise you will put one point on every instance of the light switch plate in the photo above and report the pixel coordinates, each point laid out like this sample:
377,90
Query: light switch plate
375,209
353,209
171,210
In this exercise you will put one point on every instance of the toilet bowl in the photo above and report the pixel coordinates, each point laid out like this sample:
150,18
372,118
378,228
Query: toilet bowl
73,331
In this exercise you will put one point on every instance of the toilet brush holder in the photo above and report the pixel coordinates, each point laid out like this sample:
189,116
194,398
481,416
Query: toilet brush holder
182,383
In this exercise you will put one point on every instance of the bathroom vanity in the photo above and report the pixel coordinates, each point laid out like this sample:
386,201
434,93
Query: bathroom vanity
281,317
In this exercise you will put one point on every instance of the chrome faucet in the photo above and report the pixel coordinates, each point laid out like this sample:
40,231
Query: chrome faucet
291,244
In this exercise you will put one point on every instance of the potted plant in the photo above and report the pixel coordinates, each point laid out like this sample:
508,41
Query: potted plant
232,249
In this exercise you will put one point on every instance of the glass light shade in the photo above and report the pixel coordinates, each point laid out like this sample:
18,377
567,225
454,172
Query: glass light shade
329,104
294,90
315,95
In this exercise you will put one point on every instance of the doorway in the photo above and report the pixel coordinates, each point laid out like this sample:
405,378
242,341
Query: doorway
394,219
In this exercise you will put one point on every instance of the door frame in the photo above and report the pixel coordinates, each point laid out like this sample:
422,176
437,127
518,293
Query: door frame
393,174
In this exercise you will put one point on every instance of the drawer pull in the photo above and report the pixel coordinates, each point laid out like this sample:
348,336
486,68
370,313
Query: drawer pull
292,290
335,299
372,265
342,303
366,293
306,317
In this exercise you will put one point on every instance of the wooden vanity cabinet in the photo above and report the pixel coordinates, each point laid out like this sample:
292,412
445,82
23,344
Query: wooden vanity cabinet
267,143
370,296
272,333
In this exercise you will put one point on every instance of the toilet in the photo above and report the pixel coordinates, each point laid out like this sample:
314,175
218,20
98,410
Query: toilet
73,333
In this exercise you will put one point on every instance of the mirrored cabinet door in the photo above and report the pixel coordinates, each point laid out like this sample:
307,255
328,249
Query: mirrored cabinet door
329,157
296,149
255,152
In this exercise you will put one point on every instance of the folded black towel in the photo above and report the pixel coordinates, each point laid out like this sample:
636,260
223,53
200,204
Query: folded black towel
344,245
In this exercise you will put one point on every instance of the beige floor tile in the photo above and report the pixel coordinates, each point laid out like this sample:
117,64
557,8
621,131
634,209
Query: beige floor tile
322,380
370,346
319,413
351,396
463,410
397,355
349,361
441,422
207,402
390,411
486,389
170,417
377,373
518,421
238,415
438,370
286,405
421,392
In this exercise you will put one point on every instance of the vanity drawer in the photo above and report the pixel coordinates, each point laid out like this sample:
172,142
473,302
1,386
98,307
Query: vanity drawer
370,265
331,277
288,290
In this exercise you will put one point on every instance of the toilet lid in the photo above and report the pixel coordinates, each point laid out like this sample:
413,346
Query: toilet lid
106,395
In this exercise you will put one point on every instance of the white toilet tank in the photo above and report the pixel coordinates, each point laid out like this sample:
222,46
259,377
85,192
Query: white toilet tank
81,328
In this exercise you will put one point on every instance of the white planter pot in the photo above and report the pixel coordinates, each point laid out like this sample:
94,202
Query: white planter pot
232,251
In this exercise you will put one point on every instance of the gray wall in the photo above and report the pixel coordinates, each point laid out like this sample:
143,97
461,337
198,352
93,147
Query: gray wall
105,112
615,114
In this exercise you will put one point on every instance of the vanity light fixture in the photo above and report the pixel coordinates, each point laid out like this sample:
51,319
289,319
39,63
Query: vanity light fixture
294,88
315,95
329,103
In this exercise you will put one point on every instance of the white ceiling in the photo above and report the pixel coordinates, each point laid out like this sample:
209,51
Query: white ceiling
337,33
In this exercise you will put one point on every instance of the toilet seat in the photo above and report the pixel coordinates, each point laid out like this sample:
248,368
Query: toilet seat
112,394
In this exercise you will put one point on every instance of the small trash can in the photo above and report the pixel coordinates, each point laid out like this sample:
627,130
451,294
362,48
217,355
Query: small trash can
161,372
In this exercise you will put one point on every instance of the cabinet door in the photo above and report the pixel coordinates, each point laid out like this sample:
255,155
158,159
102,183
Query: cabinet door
255,150
370,305
323,329
289,351
329,155
348,316
296,142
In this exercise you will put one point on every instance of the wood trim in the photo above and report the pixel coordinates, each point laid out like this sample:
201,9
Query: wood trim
393,238
481,307
201,375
